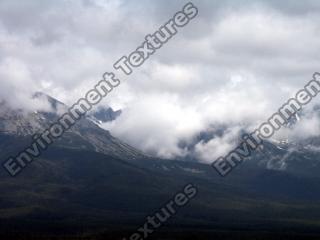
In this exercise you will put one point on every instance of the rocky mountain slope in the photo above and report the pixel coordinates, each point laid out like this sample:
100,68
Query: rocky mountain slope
85,135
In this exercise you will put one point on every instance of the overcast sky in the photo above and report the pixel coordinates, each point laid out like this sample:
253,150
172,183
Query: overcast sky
236,63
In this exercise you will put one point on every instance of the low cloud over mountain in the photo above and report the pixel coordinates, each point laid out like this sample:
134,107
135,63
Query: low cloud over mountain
234,64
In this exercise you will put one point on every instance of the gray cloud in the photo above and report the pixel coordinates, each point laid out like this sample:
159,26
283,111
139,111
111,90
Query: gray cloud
236,63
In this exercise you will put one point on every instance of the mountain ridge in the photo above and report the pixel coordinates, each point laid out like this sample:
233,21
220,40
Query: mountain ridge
88,178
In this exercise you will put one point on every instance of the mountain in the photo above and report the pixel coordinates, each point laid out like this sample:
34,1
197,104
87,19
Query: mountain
104,114
292,154
93,186
85,135
289,153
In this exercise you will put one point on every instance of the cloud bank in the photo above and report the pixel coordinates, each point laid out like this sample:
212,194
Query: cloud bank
234,65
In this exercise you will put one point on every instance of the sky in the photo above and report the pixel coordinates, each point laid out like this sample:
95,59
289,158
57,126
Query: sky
235,64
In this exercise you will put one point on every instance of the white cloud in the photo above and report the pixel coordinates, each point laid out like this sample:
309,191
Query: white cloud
236,63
